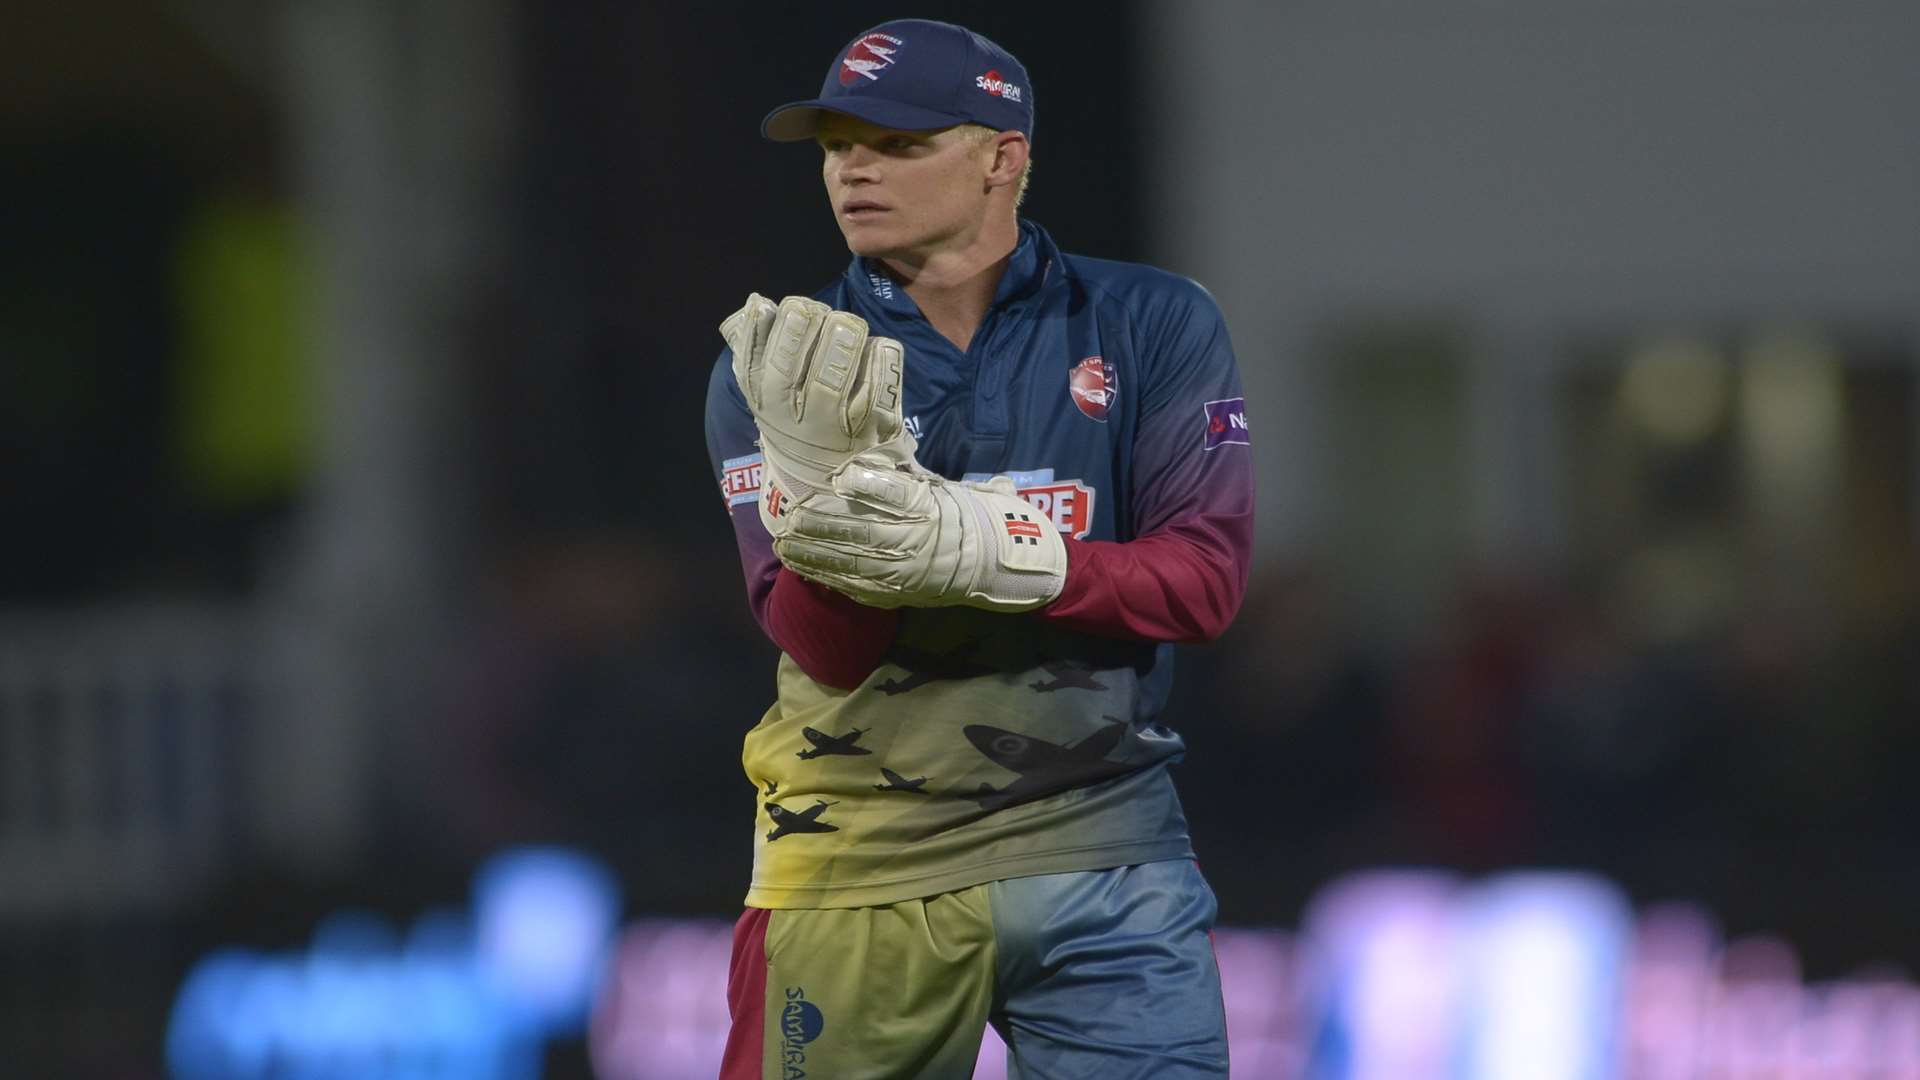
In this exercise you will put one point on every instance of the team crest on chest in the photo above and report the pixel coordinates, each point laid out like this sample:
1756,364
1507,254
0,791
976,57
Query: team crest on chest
1093,387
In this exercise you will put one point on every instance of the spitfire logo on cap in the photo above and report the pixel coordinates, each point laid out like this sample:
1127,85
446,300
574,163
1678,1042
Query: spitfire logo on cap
868,57
914,75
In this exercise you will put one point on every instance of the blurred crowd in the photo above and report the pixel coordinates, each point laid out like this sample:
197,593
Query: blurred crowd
1760,767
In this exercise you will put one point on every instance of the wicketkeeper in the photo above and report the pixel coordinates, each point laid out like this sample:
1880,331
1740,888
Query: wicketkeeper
981,488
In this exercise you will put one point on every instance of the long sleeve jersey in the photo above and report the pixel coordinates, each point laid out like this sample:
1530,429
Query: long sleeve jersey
923,750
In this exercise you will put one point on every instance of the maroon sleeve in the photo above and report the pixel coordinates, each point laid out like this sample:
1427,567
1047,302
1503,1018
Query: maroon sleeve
1181,584
833,638
1181,575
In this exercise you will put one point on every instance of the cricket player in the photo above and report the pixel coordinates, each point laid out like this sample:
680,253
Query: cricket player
980,487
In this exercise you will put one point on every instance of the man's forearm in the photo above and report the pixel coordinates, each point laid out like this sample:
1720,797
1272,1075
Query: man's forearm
835,640
1183,583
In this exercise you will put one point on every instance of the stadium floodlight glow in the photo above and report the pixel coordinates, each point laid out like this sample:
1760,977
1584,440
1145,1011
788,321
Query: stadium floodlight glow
1380,974
1545,953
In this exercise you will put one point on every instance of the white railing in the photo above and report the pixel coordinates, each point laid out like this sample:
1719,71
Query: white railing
124,735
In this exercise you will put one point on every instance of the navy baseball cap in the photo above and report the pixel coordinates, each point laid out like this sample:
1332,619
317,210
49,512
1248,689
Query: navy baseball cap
915,75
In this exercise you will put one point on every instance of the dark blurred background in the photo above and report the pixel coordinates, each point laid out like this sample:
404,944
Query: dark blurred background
359,524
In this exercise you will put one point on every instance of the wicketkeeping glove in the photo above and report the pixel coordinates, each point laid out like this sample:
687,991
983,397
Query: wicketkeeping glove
899,538
821,391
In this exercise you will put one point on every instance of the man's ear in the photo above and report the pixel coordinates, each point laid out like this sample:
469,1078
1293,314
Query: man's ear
1009,158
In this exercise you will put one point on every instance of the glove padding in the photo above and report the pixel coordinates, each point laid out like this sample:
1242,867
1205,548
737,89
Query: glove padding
891,537
821,391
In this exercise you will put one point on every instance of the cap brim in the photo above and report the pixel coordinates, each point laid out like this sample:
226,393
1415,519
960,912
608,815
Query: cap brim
798,120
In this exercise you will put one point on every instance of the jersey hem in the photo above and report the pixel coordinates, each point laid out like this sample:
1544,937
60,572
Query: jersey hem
1067,861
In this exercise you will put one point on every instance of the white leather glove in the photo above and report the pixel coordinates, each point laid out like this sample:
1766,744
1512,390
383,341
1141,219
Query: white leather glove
821,391
900,538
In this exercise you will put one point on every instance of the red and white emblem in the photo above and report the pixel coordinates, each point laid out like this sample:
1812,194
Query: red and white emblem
993,84
1023,529
868,57
1068,504
1094,387
740,479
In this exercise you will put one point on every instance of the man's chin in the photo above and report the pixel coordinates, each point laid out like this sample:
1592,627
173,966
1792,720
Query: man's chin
870,247
872,243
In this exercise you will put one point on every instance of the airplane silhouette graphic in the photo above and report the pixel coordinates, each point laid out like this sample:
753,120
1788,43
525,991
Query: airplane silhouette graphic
1044,767
787,821
1066,675
824,743
896,782
923,667
773,786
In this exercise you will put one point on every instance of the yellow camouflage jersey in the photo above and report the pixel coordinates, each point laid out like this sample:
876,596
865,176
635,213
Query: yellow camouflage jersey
975,752
990,745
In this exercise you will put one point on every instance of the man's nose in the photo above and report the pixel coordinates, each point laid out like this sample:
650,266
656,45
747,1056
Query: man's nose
858,163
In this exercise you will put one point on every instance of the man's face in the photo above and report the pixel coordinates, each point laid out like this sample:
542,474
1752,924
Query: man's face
903,194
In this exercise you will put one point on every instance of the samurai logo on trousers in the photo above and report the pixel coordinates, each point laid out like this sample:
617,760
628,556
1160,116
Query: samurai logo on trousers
801,1022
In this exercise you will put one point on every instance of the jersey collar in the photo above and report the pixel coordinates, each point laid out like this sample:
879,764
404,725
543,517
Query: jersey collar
1033,260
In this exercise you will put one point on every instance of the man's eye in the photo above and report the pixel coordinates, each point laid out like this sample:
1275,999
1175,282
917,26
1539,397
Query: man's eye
899,142
833,146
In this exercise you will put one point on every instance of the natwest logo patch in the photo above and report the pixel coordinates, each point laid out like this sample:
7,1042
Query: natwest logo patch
868,57
740,479
1226,422
993,84
1094,387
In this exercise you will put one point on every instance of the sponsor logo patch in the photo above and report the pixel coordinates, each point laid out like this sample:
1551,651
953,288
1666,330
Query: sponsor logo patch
801,1022
740,479
1068,504
1094,387
1226,422
868,58
993,84
882,286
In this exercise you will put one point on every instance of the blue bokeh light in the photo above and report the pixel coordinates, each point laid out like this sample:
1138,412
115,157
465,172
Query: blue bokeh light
469,996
